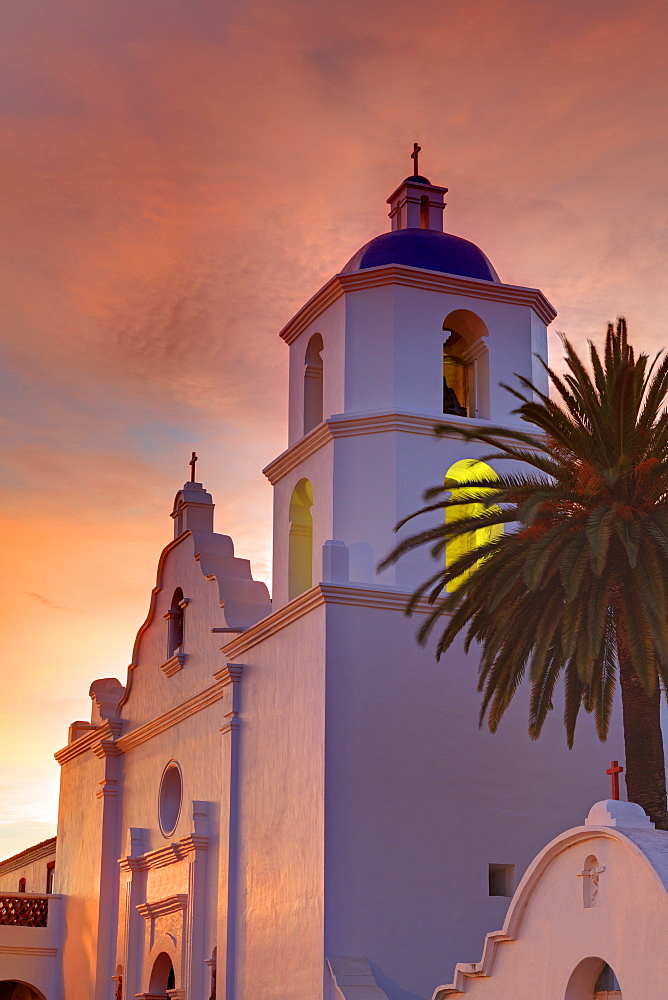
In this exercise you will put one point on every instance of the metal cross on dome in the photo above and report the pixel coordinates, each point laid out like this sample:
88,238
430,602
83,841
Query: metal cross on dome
614,771
192,463
414,157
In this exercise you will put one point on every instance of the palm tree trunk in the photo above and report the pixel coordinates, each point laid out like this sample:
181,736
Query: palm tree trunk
643,743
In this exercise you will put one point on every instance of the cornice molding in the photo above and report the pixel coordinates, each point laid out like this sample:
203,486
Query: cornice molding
162,857
160,907
106,741
11,949
173,664
343,425
230,673
415,277
101,741
27,856
355,594
200,701
274,623
299,451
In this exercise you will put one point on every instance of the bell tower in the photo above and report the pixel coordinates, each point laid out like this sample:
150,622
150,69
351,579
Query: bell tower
416,329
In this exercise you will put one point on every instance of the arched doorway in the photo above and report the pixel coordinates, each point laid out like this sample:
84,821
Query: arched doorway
162,975
11,989
593,979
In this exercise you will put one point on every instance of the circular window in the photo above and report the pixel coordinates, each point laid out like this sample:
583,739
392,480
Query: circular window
171,792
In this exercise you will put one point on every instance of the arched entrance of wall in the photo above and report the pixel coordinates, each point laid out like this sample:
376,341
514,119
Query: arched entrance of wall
593,979
11,989
162,976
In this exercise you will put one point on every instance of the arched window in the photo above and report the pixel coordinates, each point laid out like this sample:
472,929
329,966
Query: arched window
313,383
50,875
469,470
22,885
465,365
424,212
175,623
300,544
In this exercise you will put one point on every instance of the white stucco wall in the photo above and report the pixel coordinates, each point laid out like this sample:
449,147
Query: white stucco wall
552,946
281,906
419,801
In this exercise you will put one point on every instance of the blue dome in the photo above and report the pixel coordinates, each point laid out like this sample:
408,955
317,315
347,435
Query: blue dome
426,248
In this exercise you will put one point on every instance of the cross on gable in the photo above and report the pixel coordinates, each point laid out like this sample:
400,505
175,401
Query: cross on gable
192,463
614,771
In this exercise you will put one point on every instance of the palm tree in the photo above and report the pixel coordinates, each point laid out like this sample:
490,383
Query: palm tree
578,582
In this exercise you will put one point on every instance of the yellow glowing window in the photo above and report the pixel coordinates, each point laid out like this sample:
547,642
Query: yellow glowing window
469,470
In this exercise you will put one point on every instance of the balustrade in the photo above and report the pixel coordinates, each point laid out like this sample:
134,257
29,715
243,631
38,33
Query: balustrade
24,911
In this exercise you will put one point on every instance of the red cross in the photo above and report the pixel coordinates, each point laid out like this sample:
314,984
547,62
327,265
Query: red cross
614,771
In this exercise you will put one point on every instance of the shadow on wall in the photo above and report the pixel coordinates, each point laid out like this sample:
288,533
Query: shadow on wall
10,989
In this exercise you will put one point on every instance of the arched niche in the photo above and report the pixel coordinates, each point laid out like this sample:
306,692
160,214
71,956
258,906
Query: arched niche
469,470
175,623
162,975
313,372
593,979
212,964
118,980
465,365
300,543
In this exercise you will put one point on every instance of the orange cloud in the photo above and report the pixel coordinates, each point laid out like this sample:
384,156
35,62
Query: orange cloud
179,178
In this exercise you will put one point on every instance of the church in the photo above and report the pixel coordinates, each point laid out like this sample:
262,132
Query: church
285,797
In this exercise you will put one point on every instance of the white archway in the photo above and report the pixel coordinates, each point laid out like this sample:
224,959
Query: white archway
593,979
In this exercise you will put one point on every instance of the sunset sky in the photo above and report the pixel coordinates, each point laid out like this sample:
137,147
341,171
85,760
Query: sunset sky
178,177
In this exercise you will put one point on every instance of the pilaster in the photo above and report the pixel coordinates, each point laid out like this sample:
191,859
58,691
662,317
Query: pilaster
109,792
228,864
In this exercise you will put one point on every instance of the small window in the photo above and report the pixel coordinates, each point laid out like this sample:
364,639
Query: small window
50,872
171,793
22,885
501,880
424,212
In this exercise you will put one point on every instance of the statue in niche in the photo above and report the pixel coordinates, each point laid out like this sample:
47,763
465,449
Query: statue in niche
590,876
